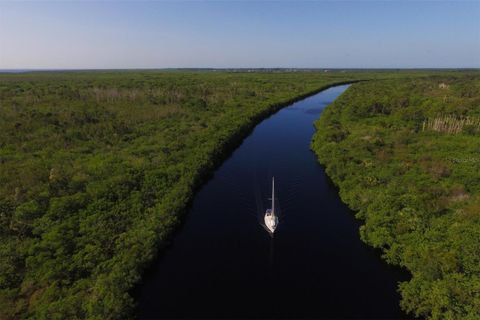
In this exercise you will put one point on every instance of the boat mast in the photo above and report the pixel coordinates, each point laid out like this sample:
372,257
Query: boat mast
273,196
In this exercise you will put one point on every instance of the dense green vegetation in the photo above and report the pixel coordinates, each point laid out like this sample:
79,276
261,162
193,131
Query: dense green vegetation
96,168
405,155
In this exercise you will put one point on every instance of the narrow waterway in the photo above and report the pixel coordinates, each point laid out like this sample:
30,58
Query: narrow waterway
223,264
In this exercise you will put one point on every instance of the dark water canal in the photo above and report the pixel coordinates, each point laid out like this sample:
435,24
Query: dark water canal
223,264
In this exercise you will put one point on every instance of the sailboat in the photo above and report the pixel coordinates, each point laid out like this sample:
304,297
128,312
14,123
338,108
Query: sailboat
271,220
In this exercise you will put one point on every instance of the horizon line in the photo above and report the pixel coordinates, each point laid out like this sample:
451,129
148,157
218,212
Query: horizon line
24,70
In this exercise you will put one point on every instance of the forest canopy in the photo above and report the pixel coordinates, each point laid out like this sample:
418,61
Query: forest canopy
98,167
405,154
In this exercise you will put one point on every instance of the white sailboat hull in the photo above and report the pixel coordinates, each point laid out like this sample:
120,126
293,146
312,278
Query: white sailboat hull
271,221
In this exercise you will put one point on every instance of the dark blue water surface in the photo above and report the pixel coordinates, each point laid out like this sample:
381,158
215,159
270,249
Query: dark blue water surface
223,264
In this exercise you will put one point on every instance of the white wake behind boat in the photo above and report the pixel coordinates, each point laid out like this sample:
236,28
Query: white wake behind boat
271,220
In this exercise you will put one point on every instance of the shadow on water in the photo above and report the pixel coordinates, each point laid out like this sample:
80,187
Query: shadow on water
224,264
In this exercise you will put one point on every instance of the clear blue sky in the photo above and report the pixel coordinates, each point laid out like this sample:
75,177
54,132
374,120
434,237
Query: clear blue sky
161,34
